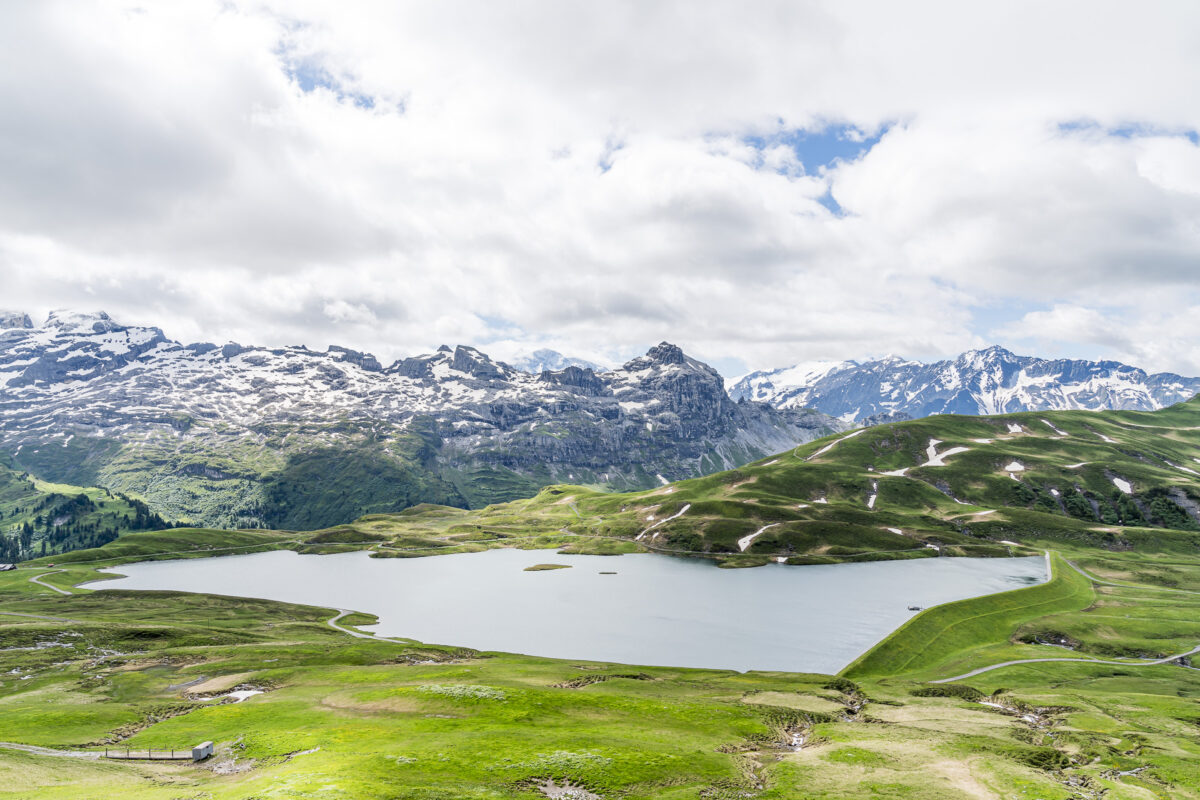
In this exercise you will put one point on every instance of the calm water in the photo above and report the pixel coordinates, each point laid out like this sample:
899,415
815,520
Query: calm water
656,610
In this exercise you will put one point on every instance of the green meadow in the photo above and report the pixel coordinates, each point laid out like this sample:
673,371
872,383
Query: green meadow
339,716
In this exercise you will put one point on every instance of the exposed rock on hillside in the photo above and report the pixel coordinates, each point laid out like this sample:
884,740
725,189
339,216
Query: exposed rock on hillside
236,435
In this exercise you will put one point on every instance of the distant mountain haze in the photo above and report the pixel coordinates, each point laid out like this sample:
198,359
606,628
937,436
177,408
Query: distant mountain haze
990,381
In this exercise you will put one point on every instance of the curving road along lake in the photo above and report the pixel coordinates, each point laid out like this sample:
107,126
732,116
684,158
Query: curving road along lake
657,610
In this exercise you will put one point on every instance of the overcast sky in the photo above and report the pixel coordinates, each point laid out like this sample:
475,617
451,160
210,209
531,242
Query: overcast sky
762,183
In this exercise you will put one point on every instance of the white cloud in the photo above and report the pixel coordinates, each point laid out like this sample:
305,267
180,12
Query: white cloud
1153,330
341,311
580,175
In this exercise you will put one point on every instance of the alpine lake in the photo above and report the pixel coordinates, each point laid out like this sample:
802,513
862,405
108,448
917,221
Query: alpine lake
638,609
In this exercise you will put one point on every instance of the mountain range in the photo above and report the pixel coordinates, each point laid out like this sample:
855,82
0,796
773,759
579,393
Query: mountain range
990,381
241,436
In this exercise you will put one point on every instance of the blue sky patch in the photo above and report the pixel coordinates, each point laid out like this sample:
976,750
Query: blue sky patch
819,149
310,75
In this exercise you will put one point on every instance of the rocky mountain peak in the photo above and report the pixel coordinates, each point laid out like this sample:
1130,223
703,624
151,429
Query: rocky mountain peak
476,363
14,319
365,360
453,414
666,353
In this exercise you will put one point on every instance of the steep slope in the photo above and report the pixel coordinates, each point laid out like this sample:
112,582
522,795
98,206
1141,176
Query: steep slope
238,436
40,518
942,485
991,381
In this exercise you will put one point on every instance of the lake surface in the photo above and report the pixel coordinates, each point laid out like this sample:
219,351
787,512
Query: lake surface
657,610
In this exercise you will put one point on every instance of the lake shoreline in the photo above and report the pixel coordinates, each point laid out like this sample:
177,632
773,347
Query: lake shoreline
656,610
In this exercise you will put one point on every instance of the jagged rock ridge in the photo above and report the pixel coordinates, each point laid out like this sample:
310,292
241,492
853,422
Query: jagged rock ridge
240,435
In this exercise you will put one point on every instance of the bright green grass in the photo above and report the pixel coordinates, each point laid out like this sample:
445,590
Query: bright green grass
415,721
410,720
177,543
942,634
59,521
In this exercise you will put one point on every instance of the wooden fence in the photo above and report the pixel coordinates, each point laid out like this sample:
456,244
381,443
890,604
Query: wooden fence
148,754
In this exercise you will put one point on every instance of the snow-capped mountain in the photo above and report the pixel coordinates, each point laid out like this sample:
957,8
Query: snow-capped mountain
540,361
236,435
991,381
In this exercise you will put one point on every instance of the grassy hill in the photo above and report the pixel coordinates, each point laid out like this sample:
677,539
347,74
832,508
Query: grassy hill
943,485
38,518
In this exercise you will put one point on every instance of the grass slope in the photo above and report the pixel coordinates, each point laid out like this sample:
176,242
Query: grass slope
938,637
39,518
1110,479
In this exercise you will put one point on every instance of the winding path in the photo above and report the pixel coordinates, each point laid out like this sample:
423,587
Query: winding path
38,580
1093,579
1152,663
342,612
46,751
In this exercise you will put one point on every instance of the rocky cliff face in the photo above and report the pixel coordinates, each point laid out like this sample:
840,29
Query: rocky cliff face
991,381
237,435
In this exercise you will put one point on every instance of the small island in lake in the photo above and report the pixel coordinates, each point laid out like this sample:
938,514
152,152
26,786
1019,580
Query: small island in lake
540,567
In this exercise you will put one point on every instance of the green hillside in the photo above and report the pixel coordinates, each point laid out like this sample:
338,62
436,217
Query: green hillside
1110,479
40,519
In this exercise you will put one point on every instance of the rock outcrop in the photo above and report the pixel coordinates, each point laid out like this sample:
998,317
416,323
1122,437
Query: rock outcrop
239,435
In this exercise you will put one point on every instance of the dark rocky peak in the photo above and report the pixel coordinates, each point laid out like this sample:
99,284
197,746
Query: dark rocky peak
475,363
461,359
233,349
666,353
412,367
419,366
579,379
78,322
669,363
366,361
661,355
14,319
